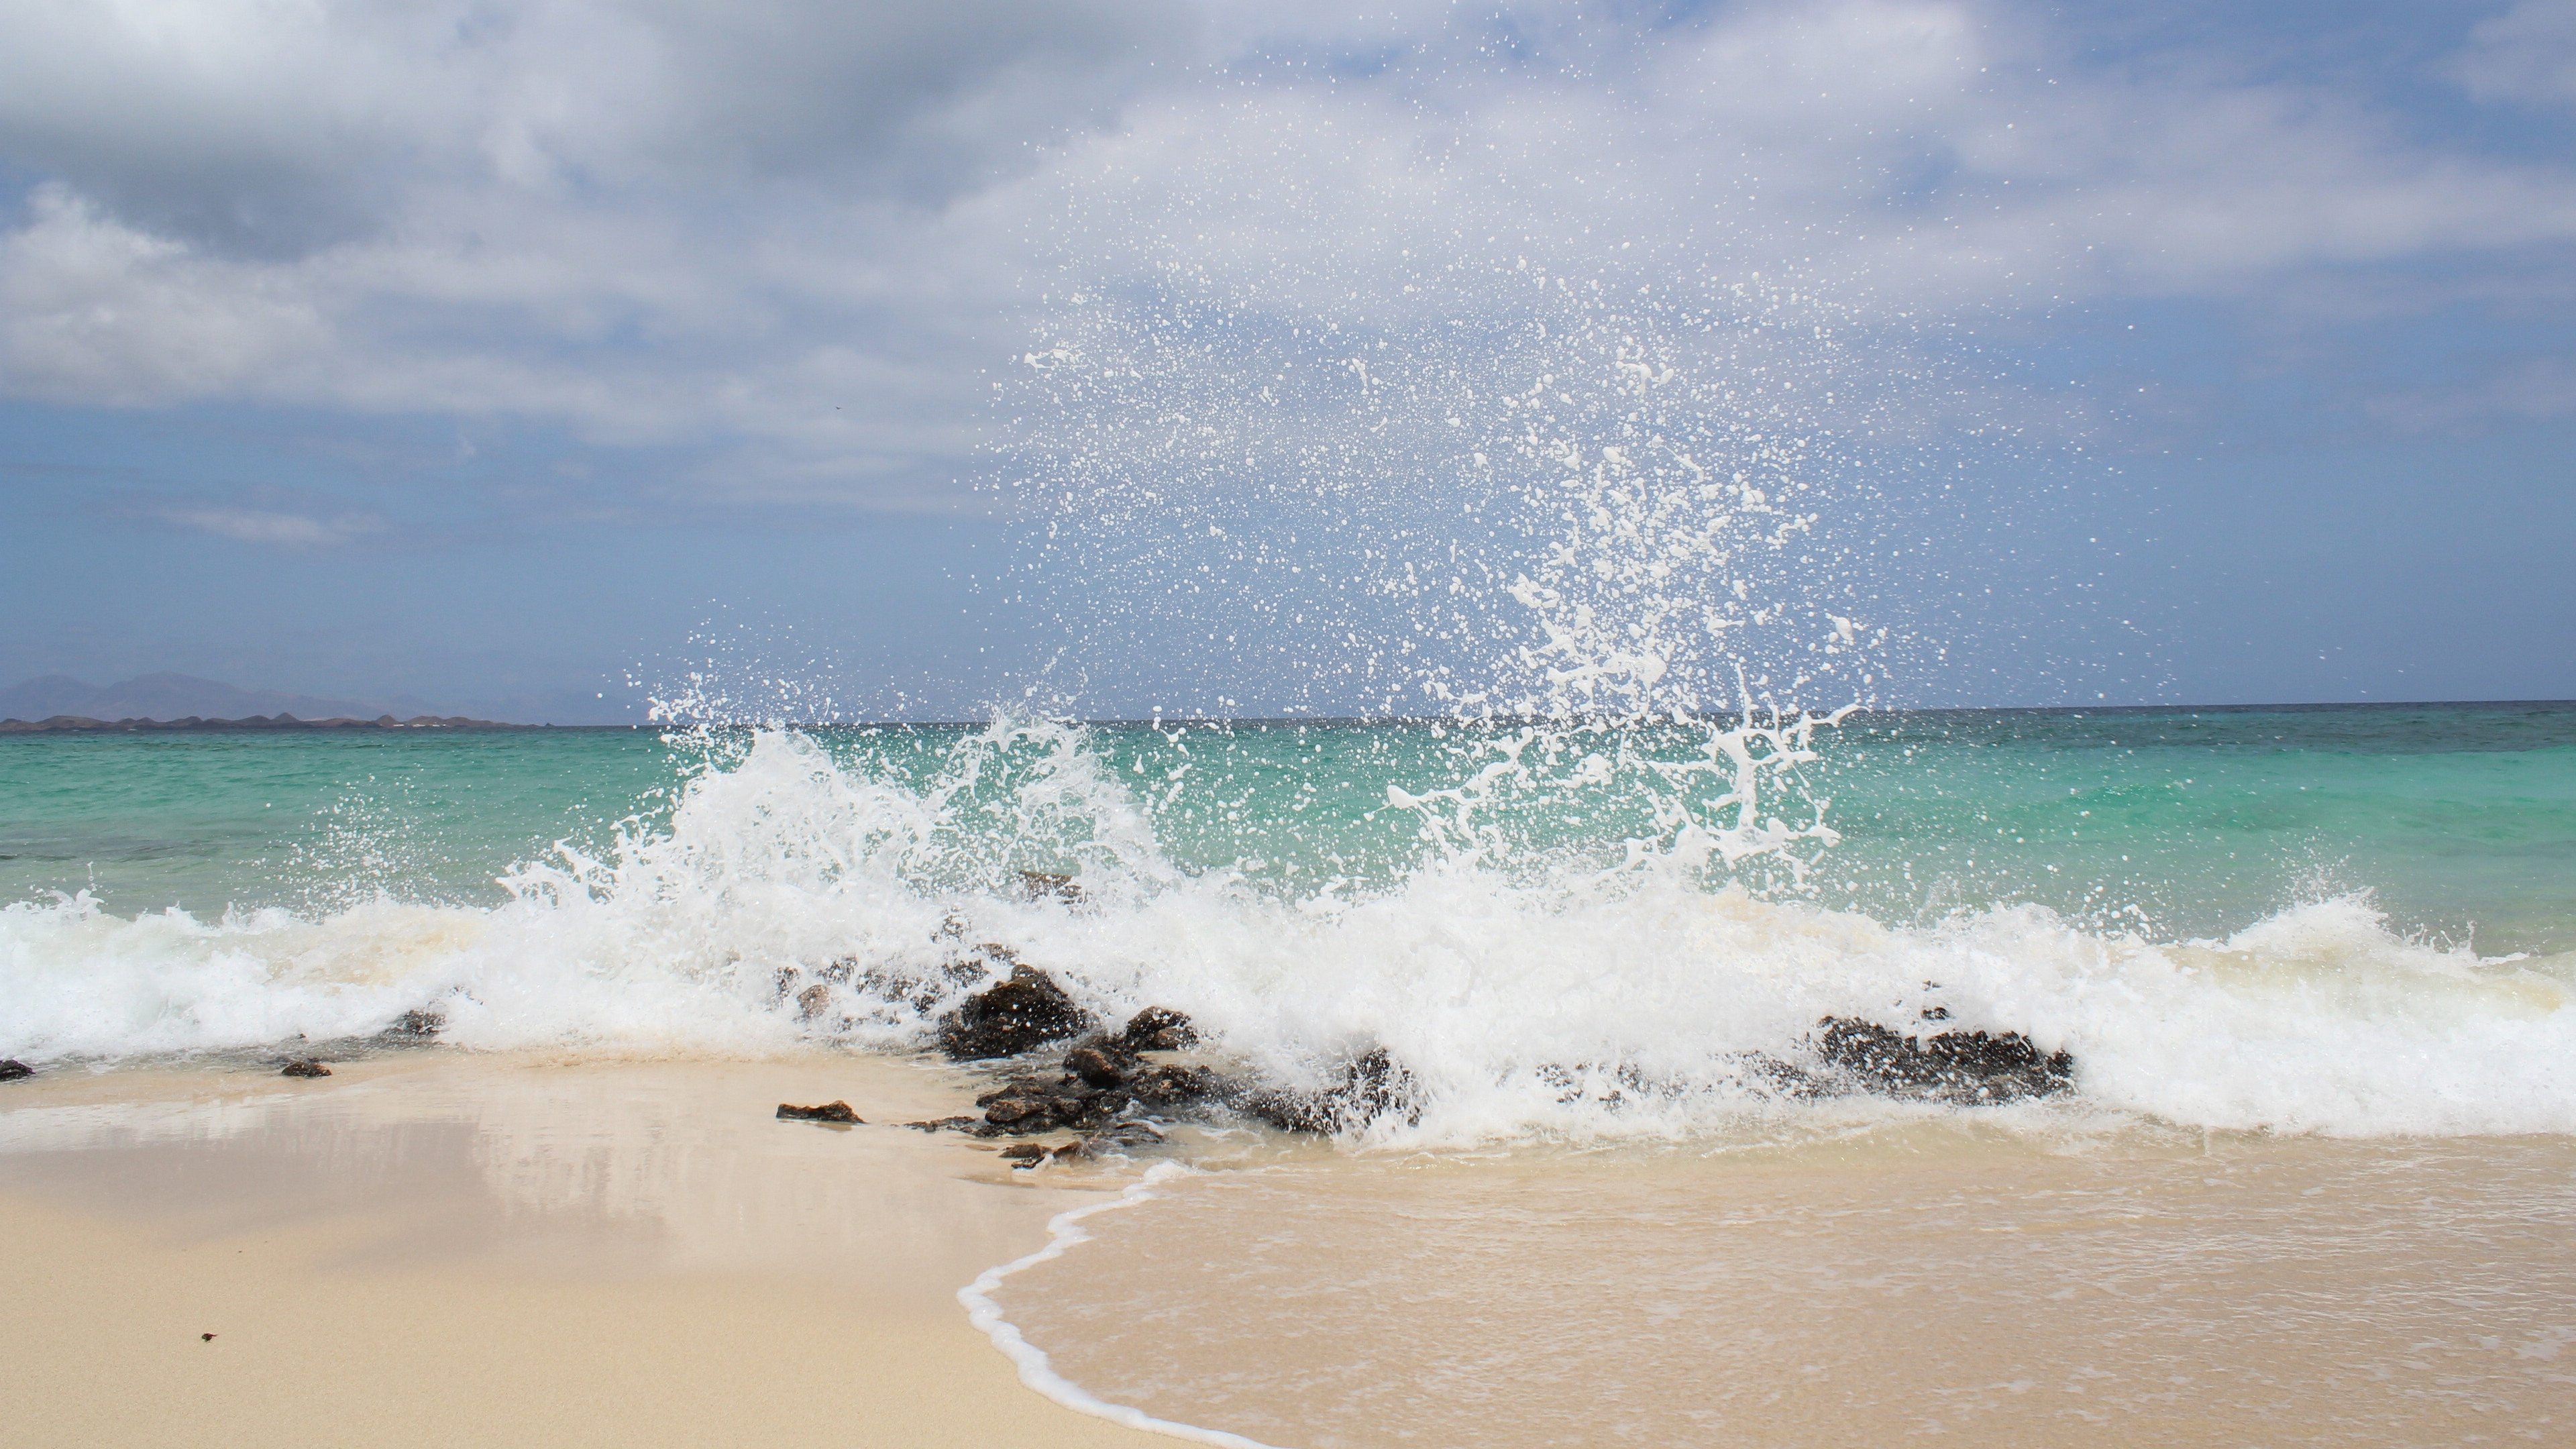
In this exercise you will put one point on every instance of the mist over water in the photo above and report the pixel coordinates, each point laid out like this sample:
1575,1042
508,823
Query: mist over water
1592,502
1492,421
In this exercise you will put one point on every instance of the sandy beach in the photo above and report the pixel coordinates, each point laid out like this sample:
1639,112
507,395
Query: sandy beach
436,1248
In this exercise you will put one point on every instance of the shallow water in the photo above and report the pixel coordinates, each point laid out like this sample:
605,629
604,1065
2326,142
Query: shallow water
2046,1287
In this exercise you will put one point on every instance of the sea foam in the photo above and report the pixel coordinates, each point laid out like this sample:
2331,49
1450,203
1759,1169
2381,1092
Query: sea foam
1553,997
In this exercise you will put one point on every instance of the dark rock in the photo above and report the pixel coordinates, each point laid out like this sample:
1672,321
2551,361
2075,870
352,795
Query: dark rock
1159,1029
1104,1088
1012,1110
1080,1111
1095,1067
1292,1111
1027,1103
12,1069
1048,885
304,1067
1025,1155
1968,1067
1167,1086
1032,1154
828,1112
420,1022
1373,1085
813,1001
1024,1011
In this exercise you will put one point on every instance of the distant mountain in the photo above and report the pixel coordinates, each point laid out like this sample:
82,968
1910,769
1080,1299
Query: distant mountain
177,696
44,698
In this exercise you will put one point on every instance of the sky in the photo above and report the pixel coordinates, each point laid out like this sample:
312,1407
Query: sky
906,361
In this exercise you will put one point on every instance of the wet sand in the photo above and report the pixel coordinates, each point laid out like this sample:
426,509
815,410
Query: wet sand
1896,1282
436,1248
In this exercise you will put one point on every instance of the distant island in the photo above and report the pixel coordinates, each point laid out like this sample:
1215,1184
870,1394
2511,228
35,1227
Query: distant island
83,724
58,703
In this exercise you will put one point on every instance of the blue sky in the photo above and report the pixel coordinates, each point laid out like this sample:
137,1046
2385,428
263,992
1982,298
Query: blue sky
509,356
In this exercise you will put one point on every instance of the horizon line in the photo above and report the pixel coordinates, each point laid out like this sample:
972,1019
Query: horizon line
454,724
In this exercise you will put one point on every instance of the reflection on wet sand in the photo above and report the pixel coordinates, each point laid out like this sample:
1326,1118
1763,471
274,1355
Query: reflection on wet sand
438,1248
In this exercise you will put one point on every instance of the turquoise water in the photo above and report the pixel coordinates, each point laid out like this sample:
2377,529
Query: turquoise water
2459,818
2354,920
205,822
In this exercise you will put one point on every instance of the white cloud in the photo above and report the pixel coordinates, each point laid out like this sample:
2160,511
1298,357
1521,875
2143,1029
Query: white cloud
94,310
2526,54
273,527
275,125
1919,154
791,237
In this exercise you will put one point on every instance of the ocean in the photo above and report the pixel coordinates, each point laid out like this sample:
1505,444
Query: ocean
2315,969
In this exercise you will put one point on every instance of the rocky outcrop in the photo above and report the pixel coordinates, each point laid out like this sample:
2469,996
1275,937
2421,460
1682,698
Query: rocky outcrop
304,1067
1159,1029
1971,1067
12,1069
1105,1087
828,1112
1100,1083
1096,1068
1022,1012
1849,1056
1110,1088
1369,1086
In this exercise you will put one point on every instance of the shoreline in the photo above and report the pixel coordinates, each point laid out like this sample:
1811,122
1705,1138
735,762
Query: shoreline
440,1248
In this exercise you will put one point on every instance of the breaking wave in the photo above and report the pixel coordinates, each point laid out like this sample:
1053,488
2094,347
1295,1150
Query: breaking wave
1583,985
